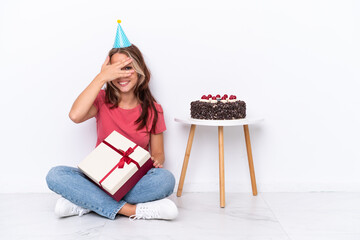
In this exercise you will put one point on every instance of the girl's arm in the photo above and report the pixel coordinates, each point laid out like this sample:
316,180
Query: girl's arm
157,149
83,107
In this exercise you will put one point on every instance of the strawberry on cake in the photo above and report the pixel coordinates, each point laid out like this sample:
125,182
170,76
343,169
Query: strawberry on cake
218,108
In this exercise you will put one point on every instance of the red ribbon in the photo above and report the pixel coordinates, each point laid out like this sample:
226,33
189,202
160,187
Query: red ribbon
124,159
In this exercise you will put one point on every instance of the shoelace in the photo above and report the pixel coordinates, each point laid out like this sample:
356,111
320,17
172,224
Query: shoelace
146,213
134,217
79,210
82,212
74,210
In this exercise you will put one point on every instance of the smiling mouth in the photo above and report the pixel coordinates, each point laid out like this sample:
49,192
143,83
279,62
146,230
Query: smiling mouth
123,84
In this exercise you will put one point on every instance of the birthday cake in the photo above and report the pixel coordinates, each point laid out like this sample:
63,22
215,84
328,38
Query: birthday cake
218,108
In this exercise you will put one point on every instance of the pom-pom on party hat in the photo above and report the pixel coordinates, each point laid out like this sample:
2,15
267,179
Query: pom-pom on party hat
121,41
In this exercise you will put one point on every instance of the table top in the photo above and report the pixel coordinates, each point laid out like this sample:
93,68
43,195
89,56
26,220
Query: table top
236,122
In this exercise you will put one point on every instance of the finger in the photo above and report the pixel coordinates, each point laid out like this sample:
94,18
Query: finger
107,60
122,64
156,164
127,71
124,73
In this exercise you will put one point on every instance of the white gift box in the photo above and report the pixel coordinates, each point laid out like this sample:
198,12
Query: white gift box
116,165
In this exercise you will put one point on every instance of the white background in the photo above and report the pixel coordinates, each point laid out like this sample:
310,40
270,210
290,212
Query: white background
296,63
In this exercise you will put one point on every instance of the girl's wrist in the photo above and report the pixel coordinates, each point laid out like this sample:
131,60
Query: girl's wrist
100,79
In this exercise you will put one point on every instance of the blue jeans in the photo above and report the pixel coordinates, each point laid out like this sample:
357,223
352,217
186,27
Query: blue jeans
73,185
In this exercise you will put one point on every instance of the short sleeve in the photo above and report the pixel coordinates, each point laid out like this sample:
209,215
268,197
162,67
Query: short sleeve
160,124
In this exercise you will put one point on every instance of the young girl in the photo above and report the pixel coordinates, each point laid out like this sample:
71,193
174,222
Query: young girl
127,106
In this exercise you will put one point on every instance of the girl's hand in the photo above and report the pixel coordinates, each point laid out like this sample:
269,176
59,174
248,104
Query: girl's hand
111,72
157,163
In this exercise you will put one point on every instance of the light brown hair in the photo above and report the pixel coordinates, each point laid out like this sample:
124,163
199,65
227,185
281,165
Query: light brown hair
142,91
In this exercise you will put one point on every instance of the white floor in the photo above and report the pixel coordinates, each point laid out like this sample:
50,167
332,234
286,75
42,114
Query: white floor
295,216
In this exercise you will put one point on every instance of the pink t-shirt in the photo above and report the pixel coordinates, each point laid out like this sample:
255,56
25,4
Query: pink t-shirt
123,121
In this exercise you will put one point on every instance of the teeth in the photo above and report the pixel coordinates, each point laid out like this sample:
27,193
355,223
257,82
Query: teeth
123,83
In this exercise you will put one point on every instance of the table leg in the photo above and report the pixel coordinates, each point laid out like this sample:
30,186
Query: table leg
250,159
186,160
221,166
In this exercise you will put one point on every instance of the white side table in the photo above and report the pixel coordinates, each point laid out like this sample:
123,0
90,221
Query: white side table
220,124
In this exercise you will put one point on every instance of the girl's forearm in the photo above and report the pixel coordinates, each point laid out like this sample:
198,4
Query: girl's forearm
85,100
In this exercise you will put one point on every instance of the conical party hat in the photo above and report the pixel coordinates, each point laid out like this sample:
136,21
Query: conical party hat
121,41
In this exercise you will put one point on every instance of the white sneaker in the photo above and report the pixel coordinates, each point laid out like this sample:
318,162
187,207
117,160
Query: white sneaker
160,209
65,208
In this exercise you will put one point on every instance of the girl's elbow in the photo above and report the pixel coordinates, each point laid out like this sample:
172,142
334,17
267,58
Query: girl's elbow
74,118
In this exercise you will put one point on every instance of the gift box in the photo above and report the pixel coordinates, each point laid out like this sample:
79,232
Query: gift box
116,165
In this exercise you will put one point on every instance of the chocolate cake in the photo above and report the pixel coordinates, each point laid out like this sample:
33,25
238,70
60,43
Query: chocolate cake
216,108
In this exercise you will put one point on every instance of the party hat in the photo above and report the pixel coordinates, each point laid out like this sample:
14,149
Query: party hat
121,41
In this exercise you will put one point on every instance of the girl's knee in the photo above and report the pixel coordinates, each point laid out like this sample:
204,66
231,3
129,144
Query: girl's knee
52,176
171,183
55,174
157,184
167,180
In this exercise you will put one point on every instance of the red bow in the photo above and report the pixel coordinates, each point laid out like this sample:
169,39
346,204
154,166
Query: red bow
125,157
